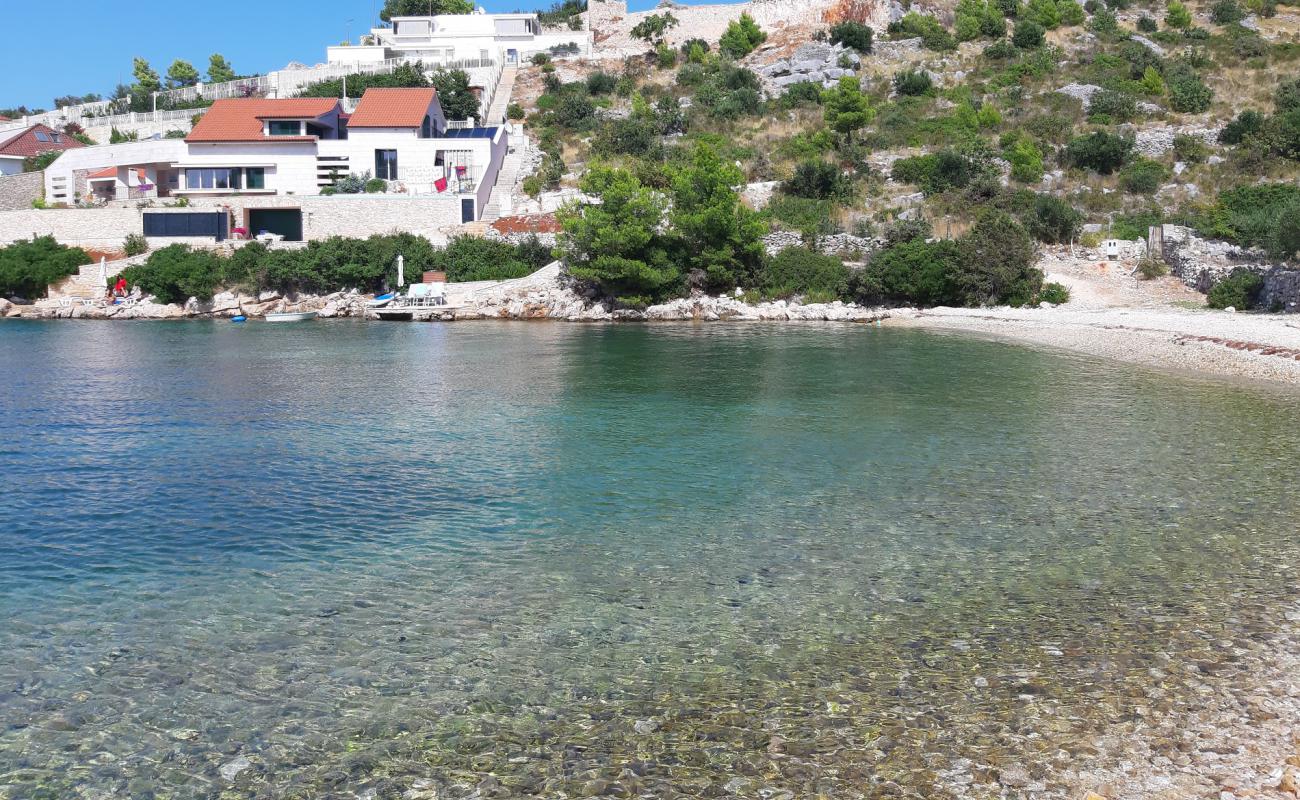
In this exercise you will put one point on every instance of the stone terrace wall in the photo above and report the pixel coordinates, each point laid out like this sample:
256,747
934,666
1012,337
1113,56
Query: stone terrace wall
433,217
18,191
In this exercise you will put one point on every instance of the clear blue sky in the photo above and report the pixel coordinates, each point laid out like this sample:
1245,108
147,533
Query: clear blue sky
96,39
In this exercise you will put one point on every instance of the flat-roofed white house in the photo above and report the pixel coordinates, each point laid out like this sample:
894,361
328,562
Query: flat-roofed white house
459,37
253,148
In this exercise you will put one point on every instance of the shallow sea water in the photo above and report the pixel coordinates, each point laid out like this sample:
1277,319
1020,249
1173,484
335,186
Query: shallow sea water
345,559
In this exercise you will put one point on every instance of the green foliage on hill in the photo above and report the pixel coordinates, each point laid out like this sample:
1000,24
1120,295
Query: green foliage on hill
28,267
176,273
404,76
741,37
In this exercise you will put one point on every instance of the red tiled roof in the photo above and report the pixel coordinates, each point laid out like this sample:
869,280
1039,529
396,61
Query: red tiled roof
392,108
5,119
111,172
240,120
24,143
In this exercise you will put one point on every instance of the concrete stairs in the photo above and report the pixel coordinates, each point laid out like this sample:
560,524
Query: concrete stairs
498,203
86,284
496,113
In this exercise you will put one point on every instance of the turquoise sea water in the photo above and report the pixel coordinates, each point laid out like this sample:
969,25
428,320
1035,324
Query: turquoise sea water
344,559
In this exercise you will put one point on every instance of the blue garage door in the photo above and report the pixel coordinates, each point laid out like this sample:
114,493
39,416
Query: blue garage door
197,223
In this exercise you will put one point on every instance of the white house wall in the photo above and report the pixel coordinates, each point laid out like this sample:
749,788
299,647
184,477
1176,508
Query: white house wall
293,170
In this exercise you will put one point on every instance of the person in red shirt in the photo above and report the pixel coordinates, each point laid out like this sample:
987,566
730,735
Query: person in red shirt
119,288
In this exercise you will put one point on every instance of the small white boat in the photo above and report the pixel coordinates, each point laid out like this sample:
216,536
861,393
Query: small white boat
291,316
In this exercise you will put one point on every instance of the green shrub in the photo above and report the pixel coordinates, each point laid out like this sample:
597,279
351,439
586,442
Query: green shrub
176,273
1225,12
997,264
1113,106
1001,50
801,94
1149,269
1248,215
1029,35
532,186
741,37
28,267
1188,94
931,32
1026,160
1099,151
1247,123
938,172
852,34
1053,220
1104,23
1287,96
913,83
808,216
376,186
541,58
1143,176
913,271
1147,24
601,82
1043,12
1240,290
135,245
1054,293
665,57
515,112
1191,149
1284,242
1071,12
1177,15
801,271
818,180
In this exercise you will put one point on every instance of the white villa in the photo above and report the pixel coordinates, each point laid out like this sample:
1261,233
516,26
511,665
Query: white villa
267,148
458,37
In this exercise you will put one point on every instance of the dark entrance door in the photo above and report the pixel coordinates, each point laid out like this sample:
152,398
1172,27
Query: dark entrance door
286,222
467,209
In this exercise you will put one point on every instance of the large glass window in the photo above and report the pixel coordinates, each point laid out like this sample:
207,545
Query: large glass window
42,136
284,128
255,178
212,178
386,164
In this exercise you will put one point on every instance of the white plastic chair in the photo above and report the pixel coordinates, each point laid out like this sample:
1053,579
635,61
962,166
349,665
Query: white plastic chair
438,293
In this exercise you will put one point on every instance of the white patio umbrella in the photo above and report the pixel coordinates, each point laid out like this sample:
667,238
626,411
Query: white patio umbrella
103,272
401,271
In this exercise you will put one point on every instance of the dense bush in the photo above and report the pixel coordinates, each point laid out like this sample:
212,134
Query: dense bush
27,268
937,172
176,273
1053,220
1240,290
1054,293
135,245
913,82
1143,176
1225,12
852,34
800,271
913,271
1191,149
1026,160
600,82
977,18
722,89
1099,151
1029,35
404,76
931,32
1247,123
803,93
1252,216
1188,94
1112,106
1177,15
818,180
1287,96
808,216
997,264
741,37
1147,24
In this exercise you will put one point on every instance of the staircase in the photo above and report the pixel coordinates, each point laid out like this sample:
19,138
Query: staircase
86,284
499,201
496,112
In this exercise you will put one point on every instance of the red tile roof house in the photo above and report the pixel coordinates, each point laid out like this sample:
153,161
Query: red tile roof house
38,139
299,146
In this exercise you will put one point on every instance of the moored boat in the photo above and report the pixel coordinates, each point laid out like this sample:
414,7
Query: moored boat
290,316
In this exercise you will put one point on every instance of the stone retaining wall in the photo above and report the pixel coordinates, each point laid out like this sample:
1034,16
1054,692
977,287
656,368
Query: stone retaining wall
18,191
434,217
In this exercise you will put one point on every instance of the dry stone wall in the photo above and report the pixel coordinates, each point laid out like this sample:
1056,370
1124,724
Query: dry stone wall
18,191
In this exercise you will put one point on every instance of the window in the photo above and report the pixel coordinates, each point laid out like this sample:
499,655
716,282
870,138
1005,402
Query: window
426,128
212,178
386,164
57,137
42,136
284,128
255,178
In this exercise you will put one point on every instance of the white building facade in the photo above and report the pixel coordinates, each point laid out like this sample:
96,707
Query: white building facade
507,38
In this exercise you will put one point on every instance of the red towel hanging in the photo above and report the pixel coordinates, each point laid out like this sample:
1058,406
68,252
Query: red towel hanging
440,184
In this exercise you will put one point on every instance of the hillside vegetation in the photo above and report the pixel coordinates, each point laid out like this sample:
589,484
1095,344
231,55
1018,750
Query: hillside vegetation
947,138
